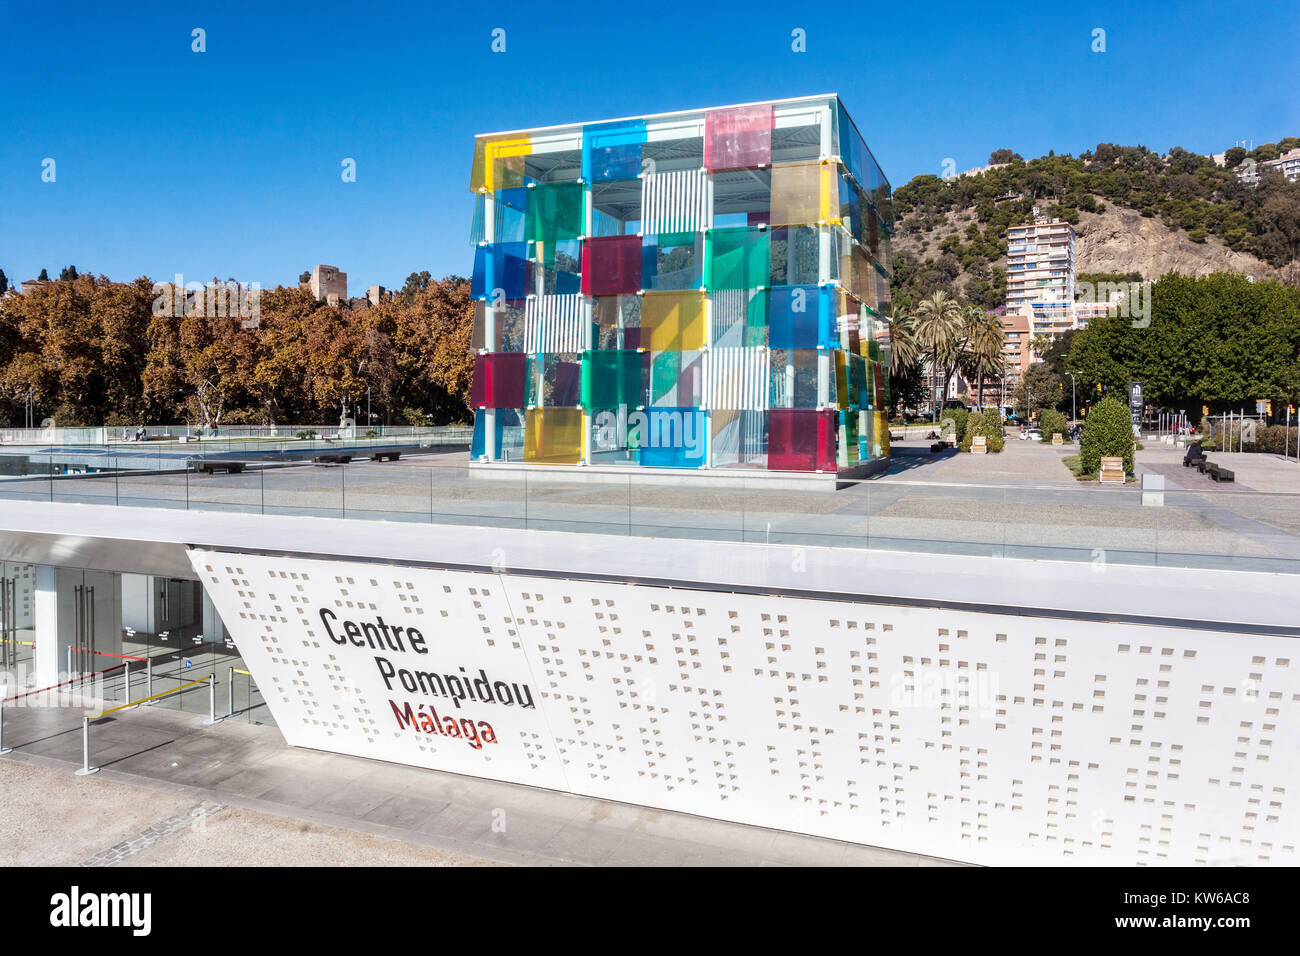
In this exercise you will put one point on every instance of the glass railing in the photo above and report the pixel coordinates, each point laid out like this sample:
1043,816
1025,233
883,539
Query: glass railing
1222,527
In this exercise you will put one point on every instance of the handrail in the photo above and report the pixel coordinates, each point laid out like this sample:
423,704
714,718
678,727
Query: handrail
121,657
75,680
174,690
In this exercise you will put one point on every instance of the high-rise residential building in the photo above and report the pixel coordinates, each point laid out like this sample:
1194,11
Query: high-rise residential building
700,289
1040,274
1017,339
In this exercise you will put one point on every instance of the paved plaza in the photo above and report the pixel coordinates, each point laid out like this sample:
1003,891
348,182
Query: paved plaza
173,791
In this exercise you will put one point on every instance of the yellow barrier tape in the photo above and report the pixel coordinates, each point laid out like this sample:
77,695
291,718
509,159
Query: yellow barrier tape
238,671
23,643
137,703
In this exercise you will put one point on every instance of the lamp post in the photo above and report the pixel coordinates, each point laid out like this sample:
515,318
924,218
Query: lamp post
1073,411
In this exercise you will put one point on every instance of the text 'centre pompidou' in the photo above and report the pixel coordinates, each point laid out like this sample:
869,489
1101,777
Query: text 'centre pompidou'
704,289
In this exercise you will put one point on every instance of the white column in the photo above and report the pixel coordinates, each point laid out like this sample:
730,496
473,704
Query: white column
51,652
213,628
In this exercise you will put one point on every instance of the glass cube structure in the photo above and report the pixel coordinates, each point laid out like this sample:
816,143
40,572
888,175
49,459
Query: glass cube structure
702,289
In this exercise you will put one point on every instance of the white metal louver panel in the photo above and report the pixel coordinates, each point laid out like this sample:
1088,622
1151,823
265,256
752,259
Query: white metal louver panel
553,323
736,378
672,202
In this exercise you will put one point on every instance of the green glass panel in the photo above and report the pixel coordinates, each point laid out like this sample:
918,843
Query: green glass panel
555,212
612,377
737,258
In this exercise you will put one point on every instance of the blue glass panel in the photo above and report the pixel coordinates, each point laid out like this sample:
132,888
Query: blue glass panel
672,261
612,150
509,432
673,438
500,265
797,314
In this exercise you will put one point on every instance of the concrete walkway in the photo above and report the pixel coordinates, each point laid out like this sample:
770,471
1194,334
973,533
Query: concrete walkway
161,769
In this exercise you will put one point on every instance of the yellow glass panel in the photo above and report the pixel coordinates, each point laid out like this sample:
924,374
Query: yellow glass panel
882,434
672,321
553,436
802,194
499,163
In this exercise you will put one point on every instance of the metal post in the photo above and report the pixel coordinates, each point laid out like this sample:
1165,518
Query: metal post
148,676
86,768
126,674
69,662
212,699
3,748
230,693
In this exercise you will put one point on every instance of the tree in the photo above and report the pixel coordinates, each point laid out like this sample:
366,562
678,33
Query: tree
43,277
1107,433
4,283
415,282
1038,388
304,277
936,327
1233,157
68,274
999,156
985,338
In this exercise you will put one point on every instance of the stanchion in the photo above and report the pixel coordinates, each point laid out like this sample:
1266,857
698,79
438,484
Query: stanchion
230,693
148,676
86,768
126,676
69,661
3,748
212,700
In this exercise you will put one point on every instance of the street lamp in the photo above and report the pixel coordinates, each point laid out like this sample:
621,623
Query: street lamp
1074,414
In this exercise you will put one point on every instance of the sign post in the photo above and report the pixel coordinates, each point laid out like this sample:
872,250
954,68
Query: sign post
1135,405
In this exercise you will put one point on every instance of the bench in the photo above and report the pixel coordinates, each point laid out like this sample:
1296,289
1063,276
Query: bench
208,465
1218,473
385,455
979,445
1057,439
1194,453
938,447
331,459
1112,470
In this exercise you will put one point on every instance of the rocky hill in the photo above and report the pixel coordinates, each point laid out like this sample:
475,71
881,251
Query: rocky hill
1134,211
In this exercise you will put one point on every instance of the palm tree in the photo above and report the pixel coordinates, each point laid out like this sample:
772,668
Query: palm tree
935,324
983,352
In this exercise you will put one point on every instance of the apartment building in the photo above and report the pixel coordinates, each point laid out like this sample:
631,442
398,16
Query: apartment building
1040,274
1288,164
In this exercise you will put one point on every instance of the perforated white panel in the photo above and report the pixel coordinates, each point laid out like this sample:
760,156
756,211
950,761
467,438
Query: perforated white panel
973,736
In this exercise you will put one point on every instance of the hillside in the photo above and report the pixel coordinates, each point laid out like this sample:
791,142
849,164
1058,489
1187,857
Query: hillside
1133,211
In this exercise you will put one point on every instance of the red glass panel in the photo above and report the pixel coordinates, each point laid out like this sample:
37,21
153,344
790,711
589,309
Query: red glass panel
498,380
801,439
738,138
611,265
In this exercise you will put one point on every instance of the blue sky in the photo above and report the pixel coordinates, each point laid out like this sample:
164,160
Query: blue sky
228,162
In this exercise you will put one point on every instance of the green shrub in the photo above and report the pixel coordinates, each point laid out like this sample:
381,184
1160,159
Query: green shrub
371,433
307,434
988,424
1052,421
956,431
1107,433
1274,440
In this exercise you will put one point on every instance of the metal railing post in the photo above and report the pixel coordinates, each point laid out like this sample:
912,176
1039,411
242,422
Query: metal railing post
212,699
86,768
230,694
69,662
148,676
3,748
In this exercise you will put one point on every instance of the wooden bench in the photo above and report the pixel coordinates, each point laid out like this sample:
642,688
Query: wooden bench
385,455
1112,470
979,445
208,465
1218,473
332,459
1057,439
